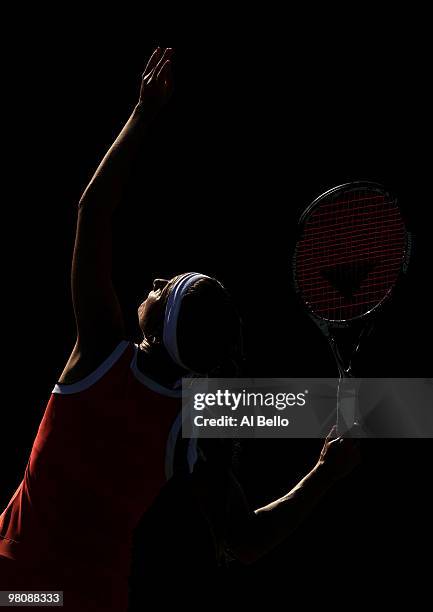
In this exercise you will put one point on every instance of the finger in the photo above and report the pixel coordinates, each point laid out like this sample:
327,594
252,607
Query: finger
154,58
165,71
336,442
331,435
164,57
328,441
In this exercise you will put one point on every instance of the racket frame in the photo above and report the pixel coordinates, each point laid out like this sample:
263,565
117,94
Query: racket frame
362,325
322,322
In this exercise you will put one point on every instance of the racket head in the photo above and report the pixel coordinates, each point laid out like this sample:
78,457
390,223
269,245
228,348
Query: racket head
351,250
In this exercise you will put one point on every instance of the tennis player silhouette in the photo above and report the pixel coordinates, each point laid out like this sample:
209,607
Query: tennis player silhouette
100,456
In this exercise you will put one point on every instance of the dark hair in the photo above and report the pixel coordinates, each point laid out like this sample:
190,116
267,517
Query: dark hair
209,330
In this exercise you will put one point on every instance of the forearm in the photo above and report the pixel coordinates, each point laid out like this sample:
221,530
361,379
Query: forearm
272,524
97,309
104,192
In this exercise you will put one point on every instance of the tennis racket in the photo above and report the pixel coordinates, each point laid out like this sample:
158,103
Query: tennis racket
351,250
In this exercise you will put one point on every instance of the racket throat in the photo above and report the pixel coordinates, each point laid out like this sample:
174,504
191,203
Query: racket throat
345,344
343,355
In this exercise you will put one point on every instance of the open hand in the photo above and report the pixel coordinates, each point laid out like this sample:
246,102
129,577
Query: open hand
157,82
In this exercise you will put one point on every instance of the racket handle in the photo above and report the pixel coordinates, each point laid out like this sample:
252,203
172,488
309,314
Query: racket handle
346,407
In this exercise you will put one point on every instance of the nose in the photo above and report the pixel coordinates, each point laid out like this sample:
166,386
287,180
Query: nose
159,283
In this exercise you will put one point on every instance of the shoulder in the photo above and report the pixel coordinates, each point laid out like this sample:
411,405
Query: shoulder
85,361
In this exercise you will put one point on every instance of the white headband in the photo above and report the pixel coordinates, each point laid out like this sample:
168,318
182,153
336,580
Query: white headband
174,301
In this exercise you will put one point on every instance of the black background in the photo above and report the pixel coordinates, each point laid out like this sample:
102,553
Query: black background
255,130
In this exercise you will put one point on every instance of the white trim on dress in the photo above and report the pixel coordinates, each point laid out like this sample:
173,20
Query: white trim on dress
148,382
91,379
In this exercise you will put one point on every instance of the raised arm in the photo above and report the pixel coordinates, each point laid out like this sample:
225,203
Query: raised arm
97,312
249,534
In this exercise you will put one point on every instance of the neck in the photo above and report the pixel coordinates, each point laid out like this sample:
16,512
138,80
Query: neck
154,361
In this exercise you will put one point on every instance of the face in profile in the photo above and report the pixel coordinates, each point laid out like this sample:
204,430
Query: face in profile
151,310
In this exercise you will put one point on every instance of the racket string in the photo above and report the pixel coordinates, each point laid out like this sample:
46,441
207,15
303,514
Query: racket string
350,254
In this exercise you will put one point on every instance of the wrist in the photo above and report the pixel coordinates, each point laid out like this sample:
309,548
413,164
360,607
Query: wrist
143,113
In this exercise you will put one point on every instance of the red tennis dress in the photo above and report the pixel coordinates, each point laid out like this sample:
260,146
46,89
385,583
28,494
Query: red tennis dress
100,457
